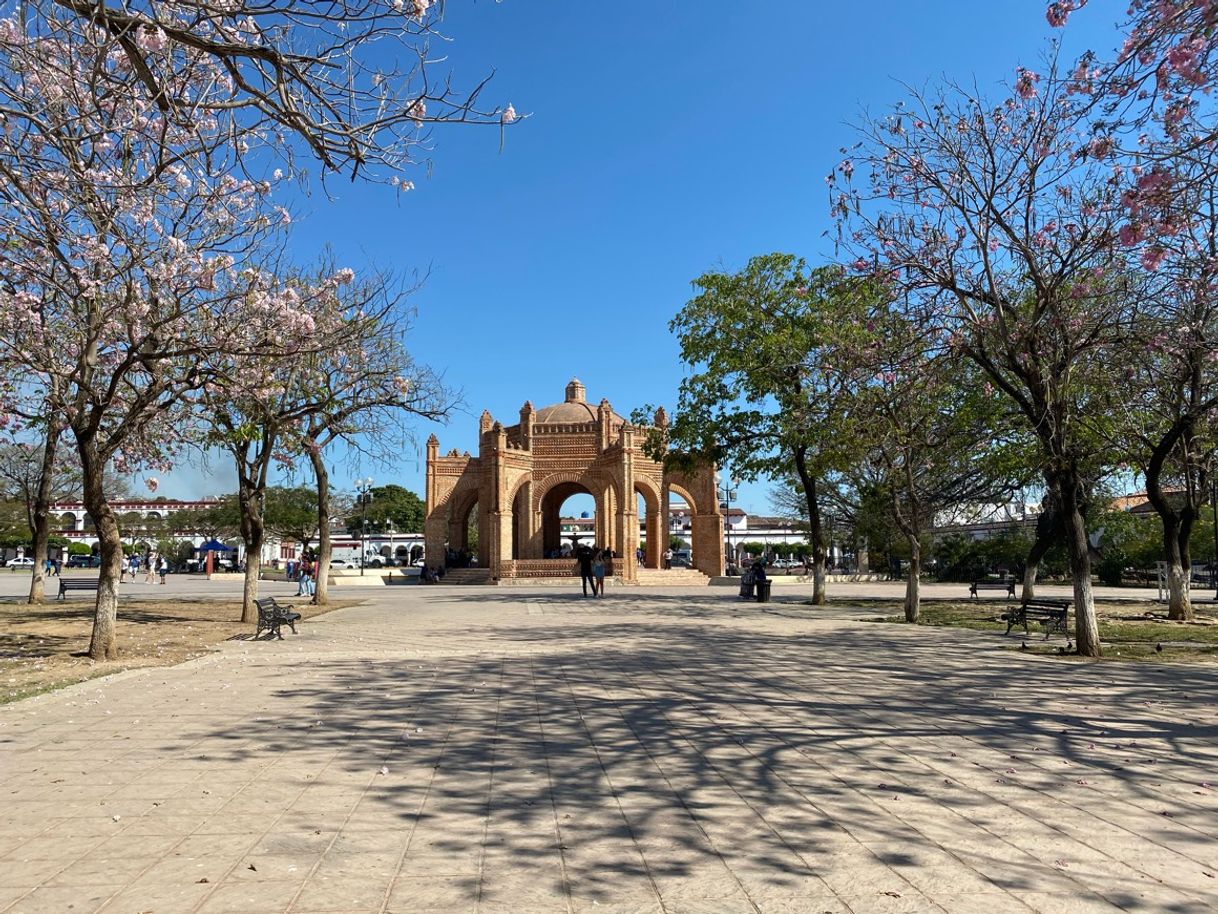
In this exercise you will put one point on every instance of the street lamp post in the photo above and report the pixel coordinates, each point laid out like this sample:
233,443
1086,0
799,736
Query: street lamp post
364,488
728,491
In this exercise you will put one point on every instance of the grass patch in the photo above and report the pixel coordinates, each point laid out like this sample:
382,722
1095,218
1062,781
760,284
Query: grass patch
1126,635
40,645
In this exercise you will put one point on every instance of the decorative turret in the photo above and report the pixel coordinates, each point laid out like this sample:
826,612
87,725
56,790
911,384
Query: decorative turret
527,414
661,418
485,421
576,392
433,446
604,422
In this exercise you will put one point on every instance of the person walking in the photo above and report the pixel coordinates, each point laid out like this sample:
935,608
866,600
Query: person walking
583,556
150,574
598,574
638,556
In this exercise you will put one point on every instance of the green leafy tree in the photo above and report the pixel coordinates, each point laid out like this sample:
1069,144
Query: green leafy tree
761,393
291,513
390,505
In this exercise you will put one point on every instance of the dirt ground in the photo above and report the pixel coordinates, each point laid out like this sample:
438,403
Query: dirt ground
1128,632
42,647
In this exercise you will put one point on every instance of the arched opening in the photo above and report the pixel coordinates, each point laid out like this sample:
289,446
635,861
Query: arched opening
67,520
651,538
519,519
679,536
568,518
463,541
88,523
416,552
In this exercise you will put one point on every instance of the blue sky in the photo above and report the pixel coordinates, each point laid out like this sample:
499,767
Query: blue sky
680,137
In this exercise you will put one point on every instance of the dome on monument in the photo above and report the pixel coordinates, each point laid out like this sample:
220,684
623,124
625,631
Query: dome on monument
575,408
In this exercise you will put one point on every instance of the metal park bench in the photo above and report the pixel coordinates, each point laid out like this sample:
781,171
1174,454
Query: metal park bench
272,617
1052,614
66,584
1008,586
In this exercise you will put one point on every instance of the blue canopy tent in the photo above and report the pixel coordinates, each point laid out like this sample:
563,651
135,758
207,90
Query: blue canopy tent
215,546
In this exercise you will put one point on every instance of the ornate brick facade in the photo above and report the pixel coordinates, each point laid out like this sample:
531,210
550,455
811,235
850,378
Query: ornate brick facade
523,473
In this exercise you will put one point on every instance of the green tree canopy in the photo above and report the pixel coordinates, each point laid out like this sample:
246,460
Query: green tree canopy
390,503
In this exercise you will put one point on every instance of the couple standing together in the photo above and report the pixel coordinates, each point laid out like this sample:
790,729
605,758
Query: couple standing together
592,566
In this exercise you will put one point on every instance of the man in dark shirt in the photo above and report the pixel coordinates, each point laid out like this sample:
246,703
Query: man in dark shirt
584,556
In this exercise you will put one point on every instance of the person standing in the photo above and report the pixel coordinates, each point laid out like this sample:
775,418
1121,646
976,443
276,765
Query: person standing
598,574
306,580
162,567
583,556
638,556
667,559
152,563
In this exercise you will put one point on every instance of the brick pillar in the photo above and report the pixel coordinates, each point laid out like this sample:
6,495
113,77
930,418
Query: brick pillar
707,536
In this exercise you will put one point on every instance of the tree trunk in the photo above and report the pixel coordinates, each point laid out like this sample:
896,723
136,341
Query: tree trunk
1048,532
1087,631
913,583
104,643
1040,548
40,514
253,534
816,530
322,594
1179,570
253,570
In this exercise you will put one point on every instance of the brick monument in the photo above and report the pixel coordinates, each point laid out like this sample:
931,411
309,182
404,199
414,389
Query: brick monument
523,473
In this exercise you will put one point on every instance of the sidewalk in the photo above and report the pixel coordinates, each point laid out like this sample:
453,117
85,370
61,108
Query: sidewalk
496,750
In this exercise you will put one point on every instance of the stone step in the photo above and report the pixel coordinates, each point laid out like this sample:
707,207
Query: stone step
673,577
466,576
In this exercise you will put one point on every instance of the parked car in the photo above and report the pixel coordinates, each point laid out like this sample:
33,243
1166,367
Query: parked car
84,561
343,563
23,562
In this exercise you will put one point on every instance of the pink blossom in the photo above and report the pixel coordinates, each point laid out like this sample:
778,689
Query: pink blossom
1131,234
1025,83
509,114
152,483
1058,13
1152,258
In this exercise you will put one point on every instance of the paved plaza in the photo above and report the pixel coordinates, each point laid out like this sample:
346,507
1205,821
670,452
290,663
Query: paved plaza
443,749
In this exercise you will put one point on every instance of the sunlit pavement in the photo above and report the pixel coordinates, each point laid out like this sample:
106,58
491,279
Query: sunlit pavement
497,749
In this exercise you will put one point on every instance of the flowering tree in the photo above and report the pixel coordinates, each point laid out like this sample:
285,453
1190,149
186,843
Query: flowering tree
32,464
931,435
1003,220
132,255
352,82
1169,396
350,377
364,391
1162,72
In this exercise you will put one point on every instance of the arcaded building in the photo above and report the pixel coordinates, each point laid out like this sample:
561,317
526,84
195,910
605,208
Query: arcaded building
515,487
